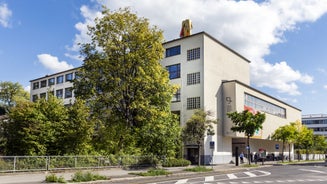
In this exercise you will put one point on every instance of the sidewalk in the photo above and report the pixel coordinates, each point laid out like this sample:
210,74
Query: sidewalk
113,173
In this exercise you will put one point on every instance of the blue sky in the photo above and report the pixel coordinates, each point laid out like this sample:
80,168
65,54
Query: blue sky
285,40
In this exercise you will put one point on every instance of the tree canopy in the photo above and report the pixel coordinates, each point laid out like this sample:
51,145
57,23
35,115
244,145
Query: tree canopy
286,134
123,81
10,93
47,127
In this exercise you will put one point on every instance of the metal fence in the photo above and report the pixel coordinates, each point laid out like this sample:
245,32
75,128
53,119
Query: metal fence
47,163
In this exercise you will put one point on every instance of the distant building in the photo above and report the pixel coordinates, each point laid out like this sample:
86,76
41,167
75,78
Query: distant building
316,122
212,77
59,84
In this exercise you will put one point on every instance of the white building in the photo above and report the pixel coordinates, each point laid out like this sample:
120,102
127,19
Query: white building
59,84
212,77
316,122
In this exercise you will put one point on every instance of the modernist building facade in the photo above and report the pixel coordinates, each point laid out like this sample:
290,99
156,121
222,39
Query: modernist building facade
212,77
59,84
316,122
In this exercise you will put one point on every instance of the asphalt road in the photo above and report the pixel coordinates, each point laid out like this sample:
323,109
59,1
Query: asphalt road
303,174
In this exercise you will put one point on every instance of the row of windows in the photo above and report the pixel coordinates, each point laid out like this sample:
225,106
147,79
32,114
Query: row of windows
264,106
51,81
314,122
320,129
60,93
192,54
175,73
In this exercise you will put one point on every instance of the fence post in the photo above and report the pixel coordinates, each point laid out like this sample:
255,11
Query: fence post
47,162
14,163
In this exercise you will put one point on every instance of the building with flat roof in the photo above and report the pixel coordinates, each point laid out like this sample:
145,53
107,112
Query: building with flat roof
316,122
213,77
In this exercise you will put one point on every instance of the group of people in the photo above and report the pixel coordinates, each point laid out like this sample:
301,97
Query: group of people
254,157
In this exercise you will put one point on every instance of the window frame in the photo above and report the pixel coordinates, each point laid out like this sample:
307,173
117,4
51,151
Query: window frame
173,51
193,103
176,73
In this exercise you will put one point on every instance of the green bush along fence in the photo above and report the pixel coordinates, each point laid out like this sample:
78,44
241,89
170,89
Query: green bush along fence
45,163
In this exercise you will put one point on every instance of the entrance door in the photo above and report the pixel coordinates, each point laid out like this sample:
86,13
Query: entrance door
193,155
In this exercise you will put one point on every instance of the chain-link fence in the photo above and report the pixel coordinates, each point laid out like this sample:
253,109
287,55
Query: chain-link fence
39,163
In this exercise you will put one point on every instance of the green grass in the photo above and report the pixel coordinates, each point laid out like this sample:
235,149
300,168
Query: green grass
87,176
250,165
52,178
199,169
153,172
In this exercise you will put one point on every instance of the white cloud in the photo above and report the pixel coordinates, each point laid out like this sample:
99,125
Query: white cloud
5,15
248,27
52,63
325,86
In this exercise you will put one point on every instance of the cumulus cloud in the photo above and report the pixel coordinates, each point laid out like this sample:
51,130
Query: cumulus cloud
247,27
5,14
52,63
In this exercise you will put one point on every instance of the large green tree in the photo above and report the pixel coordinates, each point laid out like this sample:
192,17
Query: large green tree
248,123
305,139
123,81
197,127
286,134
10,93
47,127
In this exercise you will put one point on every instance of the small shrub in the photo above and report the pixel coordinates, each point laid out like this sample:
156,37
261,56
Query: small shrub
154,172
174,162
52,178
199,169
80,176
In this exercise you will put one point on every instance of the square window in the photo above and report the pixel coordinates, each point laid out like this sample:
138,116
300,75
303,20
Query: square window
193,103
193,78
174,71
69,77
43,83
193,54
36,85
59,93
43,95
68,92
51,81
34,98
176,96
60,79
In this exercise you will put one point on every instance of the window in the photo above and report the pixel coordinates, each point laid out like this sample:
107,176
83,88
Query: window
178,114
177,96
174,71
193,54
172,51
193,103
77,75
60,79
59,93
43,95
69,77
43,83
68,92
193,78
34,98
258,104
51,81
36,85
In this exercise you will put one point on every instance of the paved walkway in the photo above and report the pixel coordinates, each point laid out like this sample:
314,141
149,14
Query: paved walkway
113,173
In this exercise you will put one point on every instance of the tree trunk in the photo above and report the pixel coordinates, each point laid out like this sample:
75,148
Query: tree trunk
289,152
283,151
199,156
249,156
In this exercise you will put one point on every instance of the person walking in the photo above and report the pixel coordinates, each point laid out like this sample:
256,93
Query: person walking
242,158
